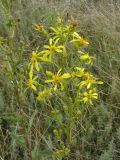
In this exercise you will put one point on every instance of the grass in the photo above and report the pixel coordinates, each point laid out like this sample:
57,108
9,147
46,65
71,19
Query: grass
25,127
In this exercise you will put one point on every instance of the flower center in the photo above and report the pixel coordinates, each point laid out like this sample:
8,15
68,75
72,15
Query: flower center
83,42
30,82
52,48
56,79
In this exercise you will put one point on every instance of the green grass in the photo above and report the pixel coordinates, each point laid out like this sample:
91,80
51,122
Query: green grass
25,127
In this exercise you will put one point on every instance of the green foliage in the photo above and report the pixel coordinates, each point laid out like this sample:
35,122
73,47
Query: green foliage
25,126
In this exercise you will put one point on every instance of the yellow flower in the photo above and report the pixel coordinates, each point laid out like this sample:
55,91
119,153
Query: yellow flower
86,58
79,71
32,81
89,81
52,48
57,79
34,60
89,96
79,40
39,27
42,95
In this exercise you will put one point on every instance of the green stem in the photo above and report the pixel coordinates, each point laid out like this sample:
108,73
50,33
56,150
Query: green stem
69,138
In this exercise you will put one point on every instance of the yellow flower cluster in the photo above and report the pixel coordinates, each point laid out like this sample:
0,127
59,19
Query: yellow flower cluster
53,63
57,45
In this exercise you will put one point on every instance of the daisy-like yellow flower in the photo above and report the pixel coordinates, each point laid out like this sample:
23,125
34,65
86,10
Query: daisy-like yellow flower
42,95
57,79
38,57
79,40
89,81
52,48
85,57
89,96
79,71
32,83
39,28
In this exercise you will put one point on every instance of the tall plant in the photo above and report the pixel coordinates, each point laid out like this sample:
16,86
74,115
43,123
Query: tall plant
59,73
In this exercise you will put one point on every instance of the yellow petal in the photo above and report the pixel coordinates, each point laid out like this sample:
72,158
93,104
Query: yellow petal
35,78
100,82
59,71
73,41
79,69
48,73
65,76
49,81
91,102
53,29
89,85
85,99
58,50
61,47
55,88
37,66
50,41
56,41
75,34
84,57
44,59
31,71
46,46
33,87
82,84
62,87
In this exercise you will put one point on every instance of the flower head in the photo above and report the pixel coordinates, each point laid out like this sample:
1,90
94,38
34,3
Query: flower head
52,48
77,39
57,79
79,71
89,80
89,96
86,58
39,28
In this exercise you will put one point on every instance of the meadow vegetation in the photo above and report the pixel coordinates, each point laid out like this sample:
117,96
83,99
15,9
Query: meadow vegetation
43,116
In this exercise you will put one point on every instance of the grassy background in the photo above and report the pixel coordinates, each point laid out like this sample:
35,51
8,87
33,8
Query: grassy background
24,125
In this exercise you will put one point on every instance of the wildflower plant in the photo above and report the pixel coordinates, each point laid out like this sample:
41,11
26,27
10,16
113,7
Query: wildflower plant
59,72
